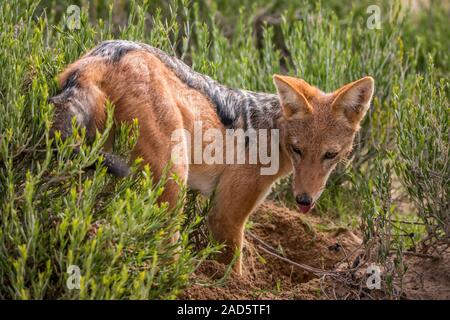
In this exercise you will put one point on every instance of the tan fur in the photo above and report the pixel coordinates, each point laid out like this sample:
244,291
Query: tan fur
141,86
330,127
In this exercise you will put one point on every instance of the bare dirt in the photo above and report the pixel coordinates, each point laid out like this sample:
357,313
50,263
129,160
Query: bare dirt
309,240
427,278
267,277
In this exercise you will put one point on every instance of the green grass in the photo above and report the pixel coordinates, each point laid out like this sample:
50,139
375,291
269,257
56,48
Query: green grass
55,212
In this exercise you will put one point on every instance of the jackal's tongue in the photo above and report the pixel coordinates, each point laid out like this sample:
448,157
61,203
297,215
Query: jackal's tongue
304,209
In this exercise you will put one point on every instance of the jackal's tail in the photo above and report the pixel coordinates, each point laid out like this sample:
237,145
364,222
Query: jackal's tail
83,103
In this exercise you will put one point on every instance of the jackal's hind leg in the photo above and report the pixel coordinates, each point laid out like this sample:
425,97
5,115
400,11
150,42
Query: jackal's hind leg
157,154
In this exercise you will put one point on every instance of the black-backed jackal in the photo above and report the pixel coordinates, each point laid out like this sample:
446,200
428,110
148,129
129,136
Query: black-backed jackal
314,130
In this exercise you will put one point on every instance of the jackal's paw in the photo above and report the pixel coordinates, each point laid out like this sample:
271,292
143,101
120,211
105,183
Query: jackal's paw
232,259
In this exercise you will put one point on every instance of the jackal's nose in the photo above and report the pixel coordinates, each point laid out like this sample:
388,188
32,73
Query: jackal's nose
303,199
305,202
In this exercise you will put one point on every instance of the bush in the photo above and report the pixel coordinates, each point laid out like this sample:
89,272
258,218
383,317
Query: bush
420,160
55,211
383,244
422,157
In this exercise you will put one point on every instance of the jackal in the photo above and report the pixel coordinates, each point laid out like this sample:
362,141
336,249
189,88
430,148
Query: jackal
315,129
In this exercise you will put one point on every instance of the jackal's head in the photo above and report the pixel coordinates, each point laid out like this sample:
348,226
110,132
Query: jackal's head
318,130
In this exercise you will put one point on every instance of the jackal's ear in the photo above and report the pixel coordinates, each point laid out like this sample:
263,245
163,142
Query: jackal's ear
353,100
292,99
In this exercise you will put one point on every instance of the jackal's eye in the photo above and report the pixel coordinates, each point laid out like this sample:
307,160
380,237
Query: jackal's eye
330,155
296,150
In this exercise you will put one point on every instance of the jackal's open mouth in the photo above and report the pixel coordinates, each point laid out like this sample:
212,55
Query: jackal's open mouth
305,209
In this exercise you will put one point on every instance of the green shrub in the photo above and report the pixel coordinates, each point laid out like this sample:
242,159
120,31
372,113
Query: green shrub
426,30
55,211
383,243
422,156
420,160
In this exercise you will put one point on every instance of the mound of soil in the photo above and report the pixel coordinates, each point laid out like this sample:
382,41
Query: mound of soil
266,277
427,278
305,239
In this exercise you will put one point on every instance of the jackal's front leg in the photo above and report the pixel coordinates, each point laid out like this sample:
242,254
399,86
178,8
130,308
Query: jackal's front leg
239,191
